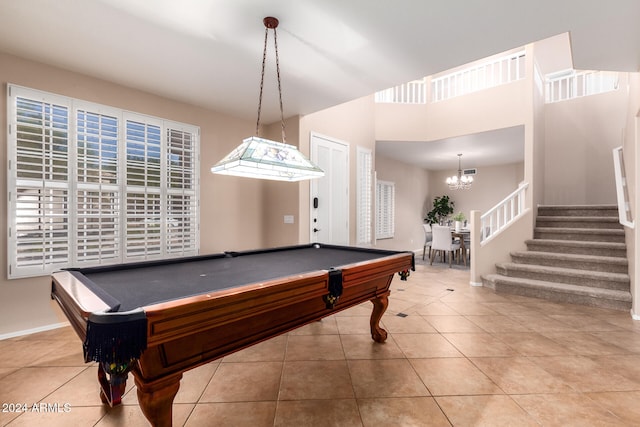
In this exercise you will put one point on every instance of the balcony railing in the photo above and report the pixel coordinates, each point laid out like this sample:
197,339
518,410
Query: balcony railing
502,70
503,214
571,84
414,92
488,74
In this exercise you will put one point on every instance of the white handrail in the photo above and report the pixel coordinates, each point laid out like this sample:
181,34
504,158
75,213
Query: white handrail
622,193
502,70
488,74
503,214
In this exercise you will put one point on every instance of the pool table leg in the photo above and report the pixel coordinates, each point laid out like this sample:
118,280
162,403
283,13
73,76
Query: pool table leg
379,307
112,384
156,398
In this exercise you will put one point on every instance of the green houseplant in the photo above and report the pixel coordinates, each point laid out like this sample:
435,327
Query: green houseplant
442,208
459,217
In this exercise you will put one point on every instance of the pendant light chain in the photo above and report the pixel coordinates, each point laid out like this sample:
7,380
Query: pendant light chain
264,60
275,42
263,158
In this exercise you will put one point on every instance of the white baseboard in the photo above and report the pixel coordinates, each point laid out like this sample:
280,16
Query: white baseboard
33,330
475,283
634,316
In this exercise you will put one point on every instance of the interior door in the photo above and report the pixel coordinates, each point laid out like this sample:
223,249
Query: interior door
330,194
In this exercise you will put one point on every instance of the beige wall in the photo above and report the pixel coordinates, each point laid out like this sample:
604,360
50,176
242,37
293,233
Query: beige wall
352,123
489,109
490,186
232,209
579,136
281,198
632,165
497,249
536,152
239,213
411,195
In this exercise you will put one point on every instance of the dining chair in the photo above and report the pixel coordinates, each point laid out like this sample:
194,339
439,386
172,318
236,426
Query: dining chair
463,237
442,241
467,246
428,237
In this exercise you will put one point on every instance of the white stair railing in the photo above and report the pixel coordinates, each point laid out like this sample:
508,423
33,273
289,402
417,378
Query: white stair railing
503,214
622,191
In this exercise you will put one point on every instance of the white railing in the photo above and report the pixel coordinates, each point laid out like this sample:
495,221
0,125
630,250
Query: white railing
488,74
503,214
414,92
571,84
622,191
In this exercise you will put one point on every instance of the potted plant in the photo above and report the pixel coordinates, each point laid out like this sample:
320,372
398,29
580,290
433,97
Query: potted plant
442,208
458,218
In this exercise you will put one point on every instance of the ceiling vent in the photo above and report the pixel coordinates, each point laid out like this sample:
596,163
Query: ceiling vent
471,171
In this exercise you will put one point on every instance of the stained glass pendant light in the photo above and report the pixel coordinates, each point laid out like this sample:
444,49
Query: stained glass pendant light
262,158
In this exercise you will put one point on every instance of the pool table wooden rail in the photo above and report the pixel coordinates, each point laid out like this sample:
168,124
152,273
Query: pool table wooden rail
76,300
191,331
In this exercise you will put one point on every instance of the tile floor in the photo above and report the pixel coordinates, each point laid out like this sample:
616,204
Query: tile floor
462,356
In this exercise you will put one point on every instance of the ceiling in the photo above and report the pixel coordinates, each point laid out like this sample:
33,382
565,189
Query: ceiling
208,52
492,148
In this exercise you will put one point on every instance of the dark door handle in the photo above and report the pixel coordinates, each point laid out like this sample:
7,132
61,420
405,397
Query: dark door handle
315,230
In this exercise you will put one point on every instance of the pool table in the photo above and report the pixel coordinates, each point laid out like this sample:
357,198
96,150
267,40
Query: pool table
157,319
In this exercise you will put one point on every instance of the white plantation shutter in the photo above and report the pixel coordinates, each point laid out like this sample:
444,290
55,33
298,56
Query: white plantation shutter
143,190
39,190
91,185
182,207
364,195
385,209
97,201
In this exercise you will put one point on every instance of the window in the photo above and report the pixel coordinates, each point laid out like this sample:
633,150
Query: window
364,193
385,201
92,185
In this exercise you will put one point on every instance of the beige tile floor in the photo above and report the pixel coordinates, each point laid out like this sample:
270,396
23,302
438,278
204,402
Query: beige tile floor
462,356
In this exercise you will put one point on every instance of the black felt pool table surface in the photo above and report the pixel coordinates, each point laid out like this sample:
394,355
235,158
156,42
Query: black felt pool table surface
141,284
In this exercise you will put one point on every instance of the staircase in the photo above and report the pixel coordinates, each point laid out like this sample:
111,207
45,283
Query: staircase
577,255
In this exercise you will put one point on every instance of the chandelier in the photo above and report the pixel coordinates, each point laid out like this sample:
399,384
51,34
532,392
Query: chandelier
459,182
262,158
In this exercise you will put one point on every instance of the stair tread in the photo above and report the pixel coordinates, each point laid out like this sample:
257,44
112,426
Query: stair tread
577,243
614,277
572,257
581,230
563,287
595,207
580,218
